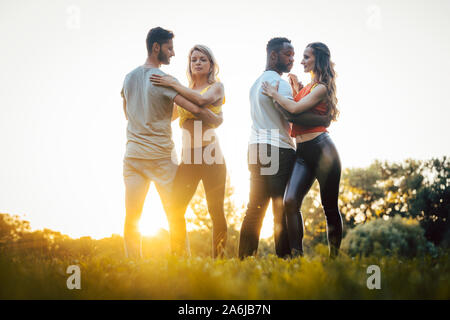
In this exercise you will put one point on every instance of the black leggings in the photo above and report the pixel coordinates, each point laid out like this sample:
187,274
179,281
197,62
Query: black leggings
184,186
317,158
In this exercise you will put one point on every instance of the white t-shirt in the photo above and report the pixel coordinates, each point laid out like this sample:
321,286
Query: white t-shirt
269,125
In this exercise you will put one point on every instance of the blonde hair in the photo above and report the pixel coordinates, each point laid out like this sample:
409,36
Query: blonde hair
212,75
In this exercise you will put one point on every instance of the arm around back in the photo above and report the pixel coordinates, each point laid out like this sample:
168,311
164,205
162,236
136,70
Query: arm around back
306,119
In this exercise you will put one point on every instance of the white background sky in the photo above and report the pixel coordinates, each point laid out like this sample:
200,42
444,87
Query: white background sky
62,66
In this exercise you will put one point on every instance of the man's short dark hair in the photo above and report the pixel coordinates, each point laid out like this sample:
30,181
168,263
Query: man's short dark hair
276,44
158,35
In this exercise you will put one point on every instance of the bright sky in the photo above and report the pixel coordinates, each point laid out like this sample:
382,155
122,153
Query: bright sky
63,63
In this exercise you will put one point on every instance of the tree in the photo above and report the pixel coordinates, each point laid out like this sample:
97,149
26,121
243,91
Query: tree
413,188
381,237
431,201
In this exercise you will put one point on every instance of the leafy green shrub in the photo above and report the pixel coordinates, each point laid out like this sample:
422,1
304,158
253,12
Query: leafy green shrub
379,237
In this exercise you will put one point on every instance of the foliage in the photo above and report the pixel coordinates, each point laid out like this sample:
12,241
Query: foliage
431,203
168,277
12,228
36,269
413,188
372,202
381,237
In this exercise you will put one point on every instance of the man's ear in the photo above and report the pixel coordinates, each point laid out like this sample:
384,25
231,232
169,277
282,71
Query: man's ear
156,47
273,55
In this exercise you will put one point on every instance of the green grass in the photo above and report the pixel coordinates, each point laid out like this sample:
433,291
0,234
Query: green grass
167,277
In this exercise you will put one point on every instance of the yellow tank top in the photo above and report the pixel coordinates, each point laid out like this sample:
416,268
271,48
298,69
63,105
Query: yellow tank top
185,115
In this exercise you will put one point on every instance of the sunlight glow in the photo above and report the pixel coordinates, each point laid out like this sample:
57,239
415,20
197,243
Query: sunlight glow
267,227
153,216
62,167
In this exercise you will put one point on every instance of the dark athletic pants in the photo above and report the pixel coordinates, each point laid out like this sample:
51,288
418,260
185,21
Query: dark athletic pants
315,159
264,188
185,184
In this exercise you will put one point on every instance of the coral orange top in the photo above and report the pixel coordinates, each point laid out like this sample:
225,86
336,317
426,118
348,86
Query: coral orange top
321,108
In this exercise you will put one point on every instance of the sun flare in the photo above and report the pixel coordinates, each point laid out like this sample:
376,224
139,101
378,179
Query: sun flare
153,216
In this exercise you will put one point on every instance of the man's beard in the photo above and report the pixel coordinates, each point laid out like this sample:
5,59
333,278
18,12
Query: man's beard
163,57
282,67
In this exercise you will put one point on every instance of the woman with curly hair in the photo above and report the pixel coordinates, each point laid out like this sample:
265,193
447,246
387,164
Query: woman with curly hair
316,155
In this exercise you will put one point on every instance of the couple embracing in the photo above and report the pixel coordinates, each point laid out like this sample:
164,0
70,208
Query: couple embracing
153,99
280,170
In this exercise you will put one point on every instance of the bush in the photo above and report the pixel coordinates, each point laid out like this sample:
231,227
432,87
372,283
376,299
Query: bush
396,236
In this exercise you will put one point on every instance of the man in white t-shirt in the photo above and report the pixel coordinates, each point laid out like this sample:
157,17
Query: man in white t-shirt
271,151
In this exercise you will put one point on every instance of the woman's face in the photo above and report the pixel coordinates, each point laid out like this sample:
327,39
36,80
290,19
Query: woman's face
200,64
308,60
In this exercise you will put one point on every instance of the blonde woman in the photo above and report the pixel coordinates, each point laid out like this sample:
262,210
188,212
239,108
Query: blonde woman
202,158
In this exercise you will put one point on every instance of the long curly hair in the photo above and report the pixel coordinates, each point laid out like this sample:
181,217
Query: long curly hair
325,74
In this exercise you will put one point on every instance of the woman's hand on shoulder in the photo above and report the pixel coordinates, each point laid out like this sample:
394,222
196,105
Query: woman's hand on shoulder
268,89
163,80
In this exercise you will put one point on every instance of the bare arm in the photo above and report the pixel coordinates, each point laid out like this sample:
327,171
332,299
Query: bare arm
306,119
175,114
214,94
124,104
203,114
309,101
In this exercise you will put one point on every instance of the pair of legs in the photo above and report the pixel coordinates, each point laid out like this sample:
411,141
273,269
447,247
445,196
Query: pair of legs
316,159
185,184
266,185
138,174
